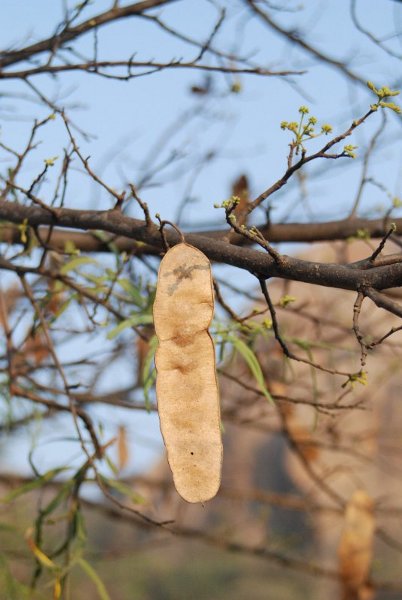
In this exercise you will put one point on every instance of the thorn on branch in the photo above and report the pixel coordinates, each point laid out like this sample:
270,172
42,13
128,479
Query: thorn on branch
143,205
380,248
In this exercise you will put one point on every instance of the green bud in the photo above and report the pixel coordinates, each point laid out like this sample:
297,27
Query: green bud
236,87
49,162
349,150
285,300
392,106
326,128
308,131
362,234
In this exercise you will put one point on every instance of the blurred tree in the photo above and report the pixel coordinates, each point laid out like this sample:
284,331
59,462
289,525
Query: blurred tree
300,359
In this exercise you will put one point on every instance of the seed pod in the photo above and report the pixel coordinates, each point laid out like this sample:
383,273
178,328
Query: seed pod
355,549
186,384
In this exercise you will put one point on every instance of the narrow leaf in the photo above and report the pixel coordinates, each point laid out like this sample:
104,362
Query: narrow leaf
32,485
124,490
148,374
252,363
93,575
78,261
130,288
133,321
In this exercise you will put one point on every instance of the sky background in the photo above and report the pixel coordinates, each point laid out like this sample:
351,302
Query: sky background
138,125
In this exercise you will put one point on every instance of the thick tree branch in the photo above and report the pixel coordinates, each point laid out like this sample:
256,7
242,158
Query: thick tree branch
328,231
349,277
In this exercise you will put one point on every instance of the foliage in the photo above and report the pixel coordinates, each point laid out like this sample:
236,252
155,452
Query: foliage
81,239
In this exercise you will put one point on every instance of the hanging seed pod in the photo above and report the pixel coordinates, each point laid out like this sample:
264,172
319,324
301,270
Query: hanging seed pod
186,384
355,550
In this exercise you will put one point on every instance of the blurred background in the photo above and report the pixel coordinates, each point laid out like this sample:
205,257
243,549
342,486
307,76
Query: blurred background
188,138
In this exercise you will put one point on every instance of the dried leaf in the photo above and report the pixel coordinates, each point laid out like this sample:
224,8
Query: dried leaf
241,190
355,549
35,349
186,386
304,440
37,552
122,447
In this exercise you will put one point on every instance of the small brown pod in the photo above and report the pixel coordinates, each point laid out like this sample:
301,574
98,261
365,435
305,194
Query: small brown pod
186,384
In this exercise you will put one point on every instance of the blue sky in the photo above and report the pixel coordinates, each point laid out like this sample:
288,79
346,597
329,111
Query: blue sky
127,117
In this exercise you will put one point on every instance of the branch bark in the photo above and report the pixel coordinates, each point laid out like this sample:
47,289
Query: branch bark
71,33
328,231
349,277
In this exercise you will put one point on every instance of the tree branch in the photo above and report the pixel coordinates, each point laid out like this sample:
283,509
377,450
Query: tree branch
349,277
71,33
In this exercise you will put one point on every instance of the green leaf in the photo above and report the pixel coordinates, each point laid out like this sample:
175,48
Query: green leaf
63,307
32,485
77,261
111,465
134,292
60,496
123,489
93,575
303,344
252,363
105,238
149,384
80,531
148,375
13,589
133,321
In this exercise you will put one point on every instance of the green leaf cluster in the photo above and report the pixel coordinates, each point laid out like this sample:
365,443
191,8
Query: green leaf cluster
304,129
240,339
383,93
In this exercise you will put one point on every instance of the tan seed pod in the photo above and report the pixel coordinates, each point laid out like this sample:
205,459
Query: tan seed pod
186,384
355,549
